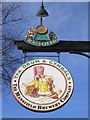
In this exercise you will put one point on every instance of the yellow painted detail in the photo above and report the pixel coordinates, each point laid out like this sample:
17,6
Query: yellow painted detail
25,91
31,83
36,84
41,86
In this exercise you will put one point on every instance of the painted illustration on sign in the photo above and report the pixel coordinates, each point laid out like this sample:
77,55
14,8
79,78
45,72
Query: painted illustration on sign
42,86
40,37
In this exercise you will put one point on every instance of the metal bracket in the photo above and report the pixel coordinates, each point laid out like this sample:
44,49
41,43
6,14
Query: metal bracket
25,57
80,53
58,57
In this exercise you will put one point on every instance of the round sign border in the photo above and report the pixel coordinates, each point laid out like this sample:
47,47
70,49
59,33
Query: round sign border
42,104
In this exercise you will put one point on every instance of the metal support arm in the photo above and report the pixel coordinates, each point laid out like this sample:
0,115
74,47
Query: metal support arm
80,53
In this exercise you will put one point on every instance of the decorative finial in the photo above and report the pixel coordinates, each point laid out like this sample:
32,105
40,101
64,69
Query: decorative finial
30,34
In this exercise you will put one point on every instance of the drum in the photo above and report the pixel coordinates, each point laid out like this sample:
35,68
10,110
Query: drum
38,70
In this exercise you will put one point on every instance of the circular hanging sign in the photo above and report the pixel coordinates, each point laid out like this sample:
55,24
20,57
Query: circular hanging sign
42,85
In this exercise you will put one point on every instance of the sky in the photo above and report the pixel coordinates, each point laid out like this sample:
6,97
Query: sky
69,21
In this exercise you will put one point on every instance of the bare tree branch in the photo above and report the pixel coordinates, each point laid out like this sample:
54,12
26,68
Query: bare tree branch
8,36
12,21
9,11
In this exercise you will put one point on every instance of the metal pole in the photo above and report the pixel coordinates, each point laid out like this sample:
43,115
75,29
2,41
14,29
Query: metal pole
41,20
42,7
58,57
24,57
42,2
